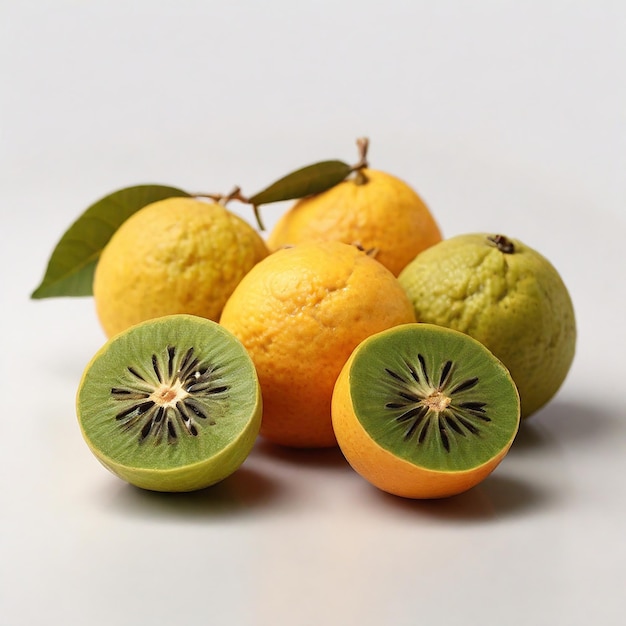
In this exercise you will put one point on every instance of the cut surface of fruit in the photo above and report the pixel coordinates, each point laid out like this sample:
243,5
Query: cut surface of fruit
171,404
422,411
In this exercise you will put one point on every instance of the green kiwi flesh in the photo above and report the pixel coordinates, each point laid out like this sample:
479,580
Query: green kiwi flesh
434,397
171,404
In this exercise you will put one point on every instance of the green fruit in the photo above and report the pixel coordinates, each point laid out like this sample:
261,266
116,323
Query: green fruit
423,411
171,404
507,296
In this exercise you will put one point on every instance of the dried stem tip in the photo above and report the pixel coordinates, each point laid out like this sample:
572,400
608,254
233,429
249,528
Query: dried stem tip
503,244
362,145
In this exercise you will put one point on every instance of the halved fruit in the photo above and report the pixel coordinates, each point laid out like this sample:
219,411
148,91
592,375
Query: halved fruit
171,404
422,411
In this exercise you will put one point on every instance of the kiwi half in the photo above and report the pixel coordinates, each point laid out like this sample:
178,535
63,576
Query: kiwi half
424,411
171,404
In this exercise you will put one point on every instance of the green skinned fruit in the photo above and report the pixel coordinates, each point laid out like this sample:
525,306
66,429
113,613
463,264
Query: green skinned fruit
507,296
171,404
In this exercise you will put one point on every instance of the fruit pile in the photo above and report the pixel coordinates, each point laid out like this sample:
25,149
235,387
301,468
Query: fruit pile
352,323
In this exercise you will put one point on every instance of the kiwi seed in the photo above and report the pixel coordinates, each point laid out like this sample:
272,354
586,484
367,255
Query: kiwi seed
171,399
442,407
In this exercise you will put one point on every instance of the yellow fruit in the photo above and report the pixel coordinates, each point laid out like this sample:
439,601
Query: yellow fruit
179,255
300,312
507,296
374,210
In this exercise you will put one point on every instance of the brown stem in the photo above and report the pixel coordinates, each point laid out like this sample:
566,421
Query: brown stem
359,175
368,251
503,244
235,194
216,197
224,199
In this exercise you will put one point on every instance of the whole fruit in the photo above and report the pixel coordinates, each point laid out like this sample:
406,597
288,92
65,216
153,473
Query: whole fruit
179,255
300,312
507,296
373,209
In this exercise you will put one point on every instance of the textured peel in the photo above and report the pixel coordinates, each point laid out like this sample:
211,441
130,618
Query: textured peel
300,312
514,303
376,210
178,255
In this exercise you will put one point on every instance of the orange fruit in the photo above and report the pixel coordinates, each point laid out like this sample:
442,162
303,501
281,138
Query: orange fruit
373,209
300,312
179,255
422,411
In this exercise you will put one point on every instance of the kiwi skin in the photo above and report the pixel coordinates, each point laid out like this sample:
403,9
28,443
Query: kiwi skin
387,470
189,477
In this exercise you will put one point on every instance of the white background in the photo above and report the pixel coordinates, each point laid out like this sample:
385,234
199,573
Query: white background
505,116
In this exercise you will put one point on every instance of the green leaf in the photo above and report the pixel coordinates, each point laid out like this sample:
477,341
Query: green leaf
304,182
72,263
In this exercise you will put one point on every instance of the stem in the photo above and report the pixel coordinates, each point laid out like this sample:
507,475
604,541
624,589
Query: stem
372,252
224,199
360,178
235,194
216,197
503,244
